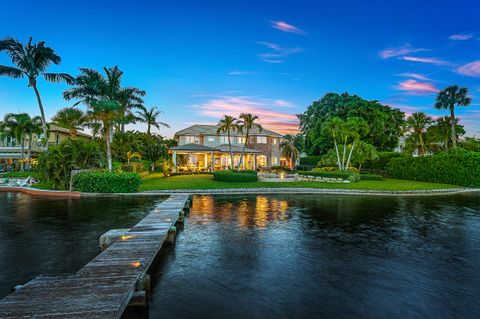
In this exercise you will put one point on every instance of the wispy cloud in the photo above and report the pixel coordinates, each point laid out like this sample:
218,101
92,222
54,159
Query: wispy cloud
425,60
414,87
277,53
461,36
417,76
399,51
266,110
285,27
470,69
238,72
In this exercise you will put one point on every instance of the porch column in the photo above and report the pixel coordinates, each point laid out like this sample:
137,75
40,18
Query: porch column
205,160
212,163
254,161
175,161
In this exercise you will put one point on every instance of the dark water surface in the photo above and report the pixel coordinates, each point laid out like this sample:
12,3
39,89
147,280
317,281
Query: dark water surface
51,235
324,256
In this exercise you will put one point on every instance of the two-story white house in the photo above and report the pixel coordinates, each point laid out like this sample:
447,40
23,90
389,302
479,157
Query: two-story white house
200,148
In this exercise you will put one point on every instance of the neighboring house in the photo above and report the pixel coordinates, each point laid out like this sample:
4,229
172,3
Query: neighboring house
200,148
10,149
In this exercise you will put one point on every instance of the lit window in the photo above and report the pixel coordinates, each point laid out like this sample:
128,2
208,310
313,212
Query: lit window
211,139
191,139
261,139
274,141
241,140
275,161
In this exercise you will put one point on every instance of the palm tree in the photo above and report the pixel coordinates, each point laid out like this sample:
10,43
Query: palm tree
447,99
105,98
355,128
247,122
150,118
34,127
418,122
19,125
106,112
441,132
289,149
229,125
129,98
333,128
71,118
31,61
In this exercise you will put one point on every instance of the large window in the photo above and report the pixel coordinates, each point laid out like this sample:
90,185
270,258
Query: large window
240,140
211,139
261,140
261,161
192,139
274,141
274,161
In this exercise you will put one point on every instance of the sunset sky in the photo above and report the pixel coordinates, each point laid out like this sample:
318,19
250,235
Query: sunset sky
198,60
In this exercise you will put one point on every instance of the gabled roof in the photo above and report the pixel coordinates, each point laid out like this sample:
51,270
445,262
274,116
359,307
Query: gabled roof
212,130
193,148
56,128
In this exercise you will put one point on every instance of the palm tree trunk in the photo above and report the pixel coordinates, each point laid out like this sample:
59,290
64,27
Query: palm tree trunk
243,150
344,153
454,132
422,145
42,112
350,155
109,151
22,152
338,154
231,153
148,128
29,154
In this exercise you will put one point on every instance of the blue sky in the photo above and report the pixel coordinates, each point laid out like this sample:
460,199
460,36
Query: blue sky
198,60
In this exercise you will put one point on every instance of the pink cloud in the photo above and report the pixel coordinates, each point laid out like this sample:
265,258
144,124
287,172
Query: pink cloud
424,60
285,27
398,51
470,69
269,117
461,37
415,76
416,88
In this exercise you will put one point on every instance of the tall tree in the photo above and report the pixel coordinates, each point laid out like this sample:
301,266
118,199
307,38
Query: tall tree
34,127
385,123
150,117
103,97
228,124
448,99
289,149
71,118
31,61
130,98
246,123
418,123
19,125
440,133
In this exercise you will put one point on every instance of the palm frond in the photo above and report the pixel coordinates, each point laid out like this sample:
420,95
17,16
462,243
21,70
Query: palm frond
59,77
11,72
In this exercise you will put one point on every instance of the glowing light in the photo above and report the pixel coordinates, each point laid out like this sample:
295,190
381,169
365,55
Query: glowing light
136,264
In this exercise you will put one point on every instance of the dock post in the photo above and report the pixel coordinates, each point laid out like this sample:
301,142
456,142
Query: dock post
172,232
181,218
143,284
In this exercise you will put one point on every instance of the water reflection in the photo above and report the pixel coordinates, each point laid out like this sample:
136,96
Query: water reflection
245,213
324,256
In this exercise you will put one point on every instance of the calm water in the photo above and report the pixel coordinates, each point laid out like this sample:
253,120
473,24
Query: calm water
324,257
50,236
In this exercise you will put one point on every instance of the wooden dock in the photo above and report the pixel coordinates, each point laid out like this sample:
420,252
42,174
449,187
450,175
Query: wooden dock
105,286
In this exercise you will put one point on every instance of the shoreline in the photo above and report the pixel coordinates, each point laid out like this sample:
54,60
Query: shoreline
241,191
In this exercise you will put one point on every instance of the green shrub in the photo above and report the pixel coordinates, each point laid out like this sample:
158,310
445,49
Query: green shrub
455,167
351,176
382,161
310,160
229,176
106,182
371,177
304,167
22,175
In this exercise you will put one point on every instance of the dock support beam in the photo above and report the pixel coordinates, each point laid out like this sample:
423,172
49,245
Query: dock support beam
172,233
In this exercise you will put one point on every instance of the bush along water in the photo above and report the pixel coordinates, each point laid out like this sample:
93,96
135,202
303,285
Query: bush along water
344,175
231,176
106,182
455,167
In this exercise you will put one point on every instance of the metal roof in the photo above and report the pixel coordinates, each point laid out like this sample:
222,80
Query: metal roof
212,130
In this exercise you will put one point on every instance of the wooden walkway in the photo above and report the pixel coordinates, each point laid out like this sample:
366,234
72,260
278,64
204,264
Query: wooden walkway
104,287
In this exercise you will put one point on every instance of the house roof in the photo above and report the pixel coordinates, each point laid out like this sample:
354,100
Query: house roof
55,128
212,130
193,148
224,148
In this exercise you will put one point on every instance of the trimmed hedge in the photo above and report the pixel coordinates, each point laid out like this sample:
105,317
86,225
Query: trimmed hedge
106,182
456,168
229,176
310,160
382,161
371,177
351,176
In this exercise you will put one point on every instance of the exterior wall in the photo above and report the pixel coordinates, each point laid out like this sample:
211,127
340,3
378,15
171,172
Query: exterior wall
271,150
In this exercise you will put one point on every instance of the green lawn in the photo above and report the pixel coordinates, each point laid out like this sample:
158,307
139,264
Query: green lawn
158,182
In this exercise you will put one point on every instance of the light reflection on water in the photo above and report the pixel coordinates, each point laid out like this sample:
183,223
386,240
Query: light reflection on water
328,256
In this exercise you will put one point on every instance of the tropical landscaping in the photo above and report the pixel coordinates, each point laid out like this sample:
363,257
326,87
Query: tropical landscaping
344,141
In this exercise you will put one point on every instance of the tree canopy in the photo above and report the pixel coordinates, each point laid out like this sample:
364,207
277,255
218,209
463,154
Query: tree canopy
385,123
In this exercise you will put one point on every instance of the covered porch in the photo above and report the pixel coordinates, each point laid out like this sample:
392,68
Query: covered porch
199,158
